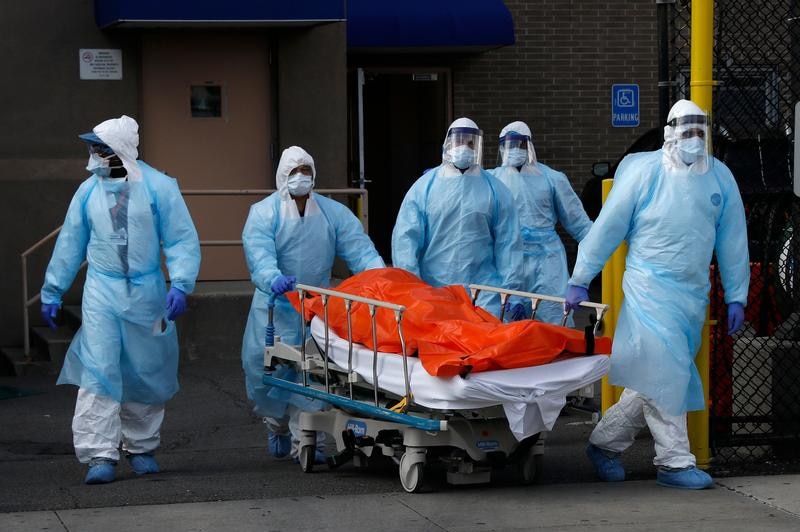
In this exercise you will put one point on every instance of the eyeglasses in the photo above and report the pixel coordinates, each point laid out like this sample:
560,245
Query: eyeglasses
101,149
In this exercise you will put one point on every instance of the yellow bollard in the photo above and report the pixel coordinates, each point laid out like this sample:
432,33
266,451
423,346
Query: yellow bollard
612,296
702,83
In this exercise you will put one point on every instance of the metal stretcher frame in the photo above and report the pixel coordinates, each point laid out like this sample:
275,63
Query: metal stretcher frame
375,410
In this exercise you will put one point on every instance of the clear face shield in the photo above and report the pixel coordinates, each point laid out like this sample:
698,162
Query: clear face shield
463,147
515,150
692,141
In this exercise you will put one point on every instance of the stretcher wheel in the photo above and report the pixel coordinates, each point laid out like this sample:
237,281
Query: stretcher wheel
411,474
307,458
532,468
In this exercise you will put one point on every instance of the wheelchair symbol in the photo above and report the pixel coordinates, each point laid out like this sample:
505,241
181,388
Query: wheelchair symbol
625,98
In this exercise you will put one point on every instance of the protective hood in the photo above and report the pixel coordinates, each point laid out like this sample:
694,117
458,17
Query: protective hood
509,146
122,135
463,144
291,158
683,116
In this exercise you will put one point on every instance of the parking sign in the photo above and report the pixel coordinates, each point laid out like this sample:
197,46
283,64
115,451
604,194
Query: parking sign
625,105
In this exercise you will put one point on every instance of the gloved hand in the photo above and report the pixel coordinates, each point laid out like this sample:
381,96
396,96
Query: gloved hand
49,313
575,294
283,284
735,317
517,312
176,303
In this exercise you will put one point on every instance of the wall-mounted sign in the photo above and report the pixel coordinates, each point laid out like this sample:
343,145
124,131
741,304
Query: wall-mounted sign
100,63
625,105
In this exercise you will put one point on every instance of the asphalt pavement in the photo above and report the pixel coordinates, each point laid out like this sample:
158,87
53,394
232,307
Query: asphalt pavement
217,475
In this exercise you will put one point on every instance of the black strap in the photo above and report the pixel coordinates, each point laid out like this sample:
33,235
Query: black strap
588,334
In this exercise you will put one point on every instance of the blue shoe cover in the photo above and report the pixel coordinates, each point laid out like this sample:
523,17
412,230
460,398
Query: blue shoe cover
687,479
280,446
100,472
608,469
143,464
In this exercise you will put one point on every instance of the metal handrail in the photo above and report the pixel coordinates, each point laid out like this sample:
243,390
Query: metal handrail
27,302
373,305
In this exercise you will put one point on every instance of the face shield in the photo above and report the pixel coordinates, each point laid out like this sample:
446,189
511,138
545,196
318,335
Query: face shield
689,142
463,147
515,150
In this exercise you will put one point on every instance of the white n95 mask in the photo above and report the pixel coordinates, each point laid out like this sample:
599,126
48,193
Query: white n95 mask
299,184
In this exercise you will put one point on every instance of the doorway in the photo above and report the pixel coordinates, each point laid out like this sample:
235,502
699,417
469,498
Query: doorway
206,121
405,115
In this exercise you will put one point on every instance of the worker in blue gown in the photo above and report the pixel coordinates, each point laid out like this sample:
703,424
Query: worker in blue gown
124,357
675,207
542,197
292,236
458,224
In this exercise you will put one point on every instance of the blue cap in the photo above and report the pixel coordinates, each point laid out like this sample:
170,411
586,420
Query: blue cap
91,138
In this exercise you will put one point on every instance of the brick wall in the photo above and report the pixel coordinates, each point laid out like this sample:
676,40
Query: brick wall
558,77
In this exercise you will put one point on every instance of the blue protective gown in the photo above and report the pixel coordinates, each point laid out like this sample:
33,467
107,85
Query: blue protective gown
673,221
125,349
459,229
278,241
542,199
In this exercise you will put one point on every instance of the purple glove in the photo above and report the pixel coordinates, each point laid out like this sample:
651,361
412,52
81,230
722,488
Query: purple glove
735,317
283,284
176,303
575,294
49,313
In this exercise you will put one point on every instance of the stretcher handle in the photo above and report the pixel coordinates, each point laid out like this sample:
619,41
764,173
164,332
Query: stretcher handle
599,308
351,297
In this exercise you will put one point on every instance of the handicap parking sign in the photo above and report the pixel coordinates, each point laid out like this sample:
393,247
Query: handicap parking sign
625,105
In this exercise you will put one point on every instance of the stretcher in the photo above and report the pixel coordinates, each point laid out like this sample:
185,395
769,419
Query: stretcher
387,404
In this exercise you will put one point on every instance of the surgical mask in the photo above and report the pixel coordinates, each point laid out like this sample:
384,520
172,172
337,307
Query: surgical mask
462,157
98,165
516,157
691,149
300,184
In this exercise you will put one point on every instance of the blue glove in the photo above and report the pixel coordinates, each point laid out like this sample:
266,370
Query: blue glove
176,303
283,284
575,294
49,313
517,312
735,317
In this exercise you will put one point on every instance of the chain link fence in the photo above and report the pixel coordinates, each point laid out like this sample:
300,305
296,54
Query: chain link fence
755,375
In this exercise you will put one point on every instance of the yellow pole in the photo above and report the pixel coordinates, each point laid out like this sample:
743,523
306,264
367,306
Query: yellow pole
612,296
702,83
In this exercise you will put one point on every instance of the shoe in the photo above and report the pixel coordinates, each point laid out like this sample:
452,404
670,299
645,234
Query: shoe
608,469
690,478
101,471
279,446
143,464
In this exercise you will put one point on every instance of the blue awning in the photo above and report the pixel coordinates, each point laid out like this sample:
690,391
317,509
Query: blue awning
428,24
213,13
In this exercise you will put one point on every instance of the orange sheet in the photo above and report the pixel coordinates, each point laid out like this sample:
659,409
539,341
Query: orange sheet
441,326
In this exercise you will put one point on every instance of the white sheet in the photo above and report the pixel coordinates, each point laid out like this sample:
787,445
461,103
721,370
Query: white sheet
531,397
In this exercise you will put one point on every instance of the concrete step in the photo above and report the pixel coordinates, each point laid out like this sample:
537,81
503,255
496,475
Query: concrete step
50,345
14,362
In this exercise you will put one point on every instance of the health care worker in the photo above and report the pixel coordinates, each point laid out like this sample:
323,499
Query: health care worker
675,207
542,197
124,358
458,224
292,236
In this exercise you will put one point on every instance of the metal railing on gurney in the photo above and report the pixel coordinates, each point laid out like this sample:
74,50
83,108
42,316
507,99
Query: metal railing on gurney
472,424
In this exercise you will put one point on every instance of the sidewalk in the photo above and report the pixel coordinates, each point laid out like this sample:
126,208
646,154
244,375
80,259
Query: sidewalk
736,504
